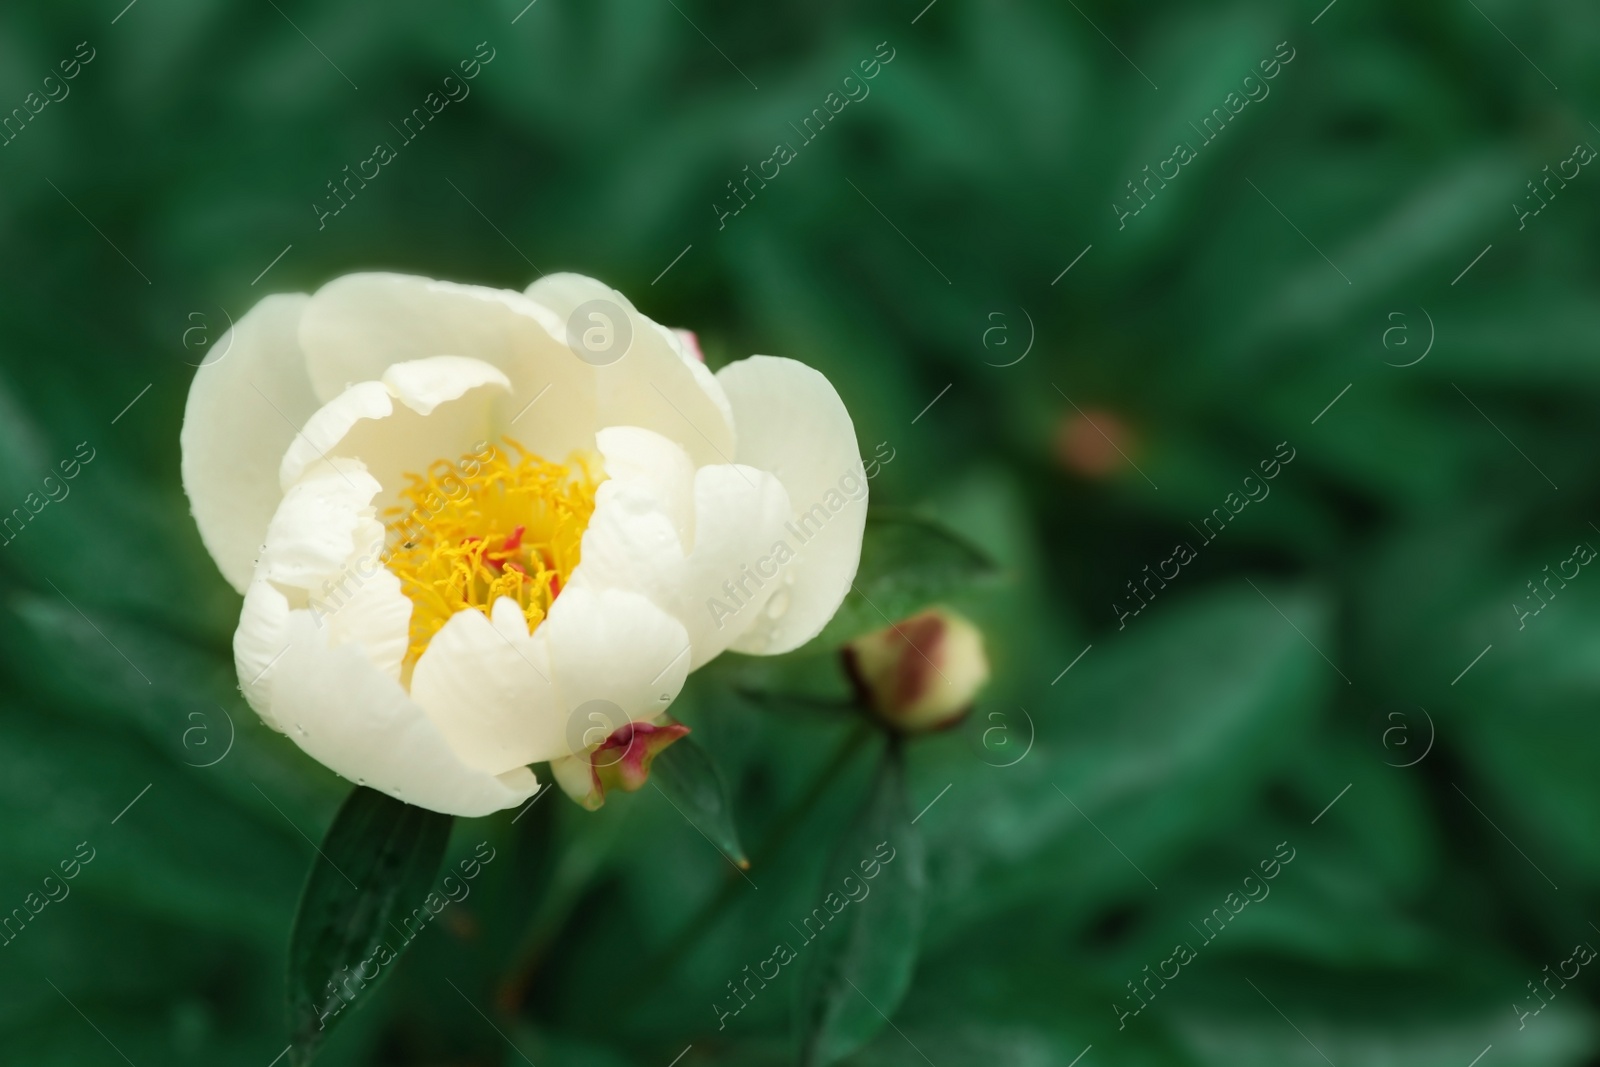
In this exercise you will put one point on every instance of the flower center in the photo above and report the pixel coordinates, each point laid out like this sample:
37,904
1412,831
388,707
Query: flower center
499,522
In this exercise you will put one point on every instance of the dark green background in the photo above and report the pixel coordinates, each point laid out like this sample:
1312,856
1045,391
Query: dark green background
1196,739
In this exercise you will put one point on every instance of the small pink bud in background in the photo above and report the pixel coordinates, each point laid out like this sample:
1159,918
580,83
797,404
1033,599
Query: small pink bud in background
622,761
921,673
1091,443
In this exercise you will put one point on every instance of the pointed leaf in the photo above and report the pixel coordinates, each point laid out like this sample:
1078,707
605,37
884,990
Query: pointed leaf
689,777
375,865
907,563
860,966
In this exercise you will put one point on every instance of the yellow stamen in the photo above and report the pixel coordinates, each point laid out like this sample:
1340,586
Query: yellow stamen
496,523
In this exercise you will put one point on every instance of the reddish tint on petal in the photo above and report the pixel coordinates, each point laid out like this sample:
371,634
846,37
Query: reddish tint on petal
691,344
921,639
622,761
921,673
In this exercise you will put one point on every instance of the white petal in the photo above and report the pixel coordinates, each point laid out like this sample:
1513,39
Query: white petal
260,641
655,467
424,384
445,410
351,717
575,776
791,422
486,686
563,291
358,326
247,401
316,529
631,543
617,658
372,615
364,605
713,584
739,522
329,424
325,551
654,384
687,347
504,698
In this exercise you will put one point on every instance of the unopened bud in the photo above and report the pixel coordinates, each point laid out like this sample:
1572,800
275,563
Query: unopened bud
1092,443
921,673
622,761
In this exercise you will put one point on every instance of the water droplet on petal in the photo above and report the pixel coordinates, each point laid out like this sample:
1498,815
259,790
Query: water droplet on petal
778,604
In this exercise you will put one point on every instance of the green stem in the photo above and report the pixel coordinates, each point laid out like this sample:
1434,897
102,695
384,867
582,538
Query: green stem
790,821
800,809
575,871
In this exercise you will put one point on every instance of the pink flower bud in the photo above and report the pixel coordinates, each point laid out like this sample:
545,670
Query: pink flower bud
1093,442
921,673
622,761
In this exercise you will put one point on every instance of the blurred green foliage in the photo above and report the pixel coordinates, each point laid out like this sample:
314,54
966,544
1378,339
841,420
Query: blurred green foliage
1178,752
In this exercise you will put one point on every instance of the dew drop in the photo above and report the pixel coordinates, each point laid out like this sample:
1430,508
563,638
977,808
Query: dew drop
778,604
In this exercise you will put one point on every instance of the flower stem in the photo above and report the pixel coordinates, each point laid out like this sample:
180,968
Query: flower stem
790,821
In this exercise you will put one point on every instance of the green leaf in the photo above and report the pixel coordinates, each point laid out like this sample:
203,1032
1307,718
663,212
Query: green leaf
375,865
689,777
860,968
1448,1016
1207,697
907,563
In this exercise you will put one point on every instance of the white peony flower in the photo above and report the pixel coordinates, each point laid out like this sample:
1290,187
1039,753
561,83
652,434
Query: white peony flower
463,519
